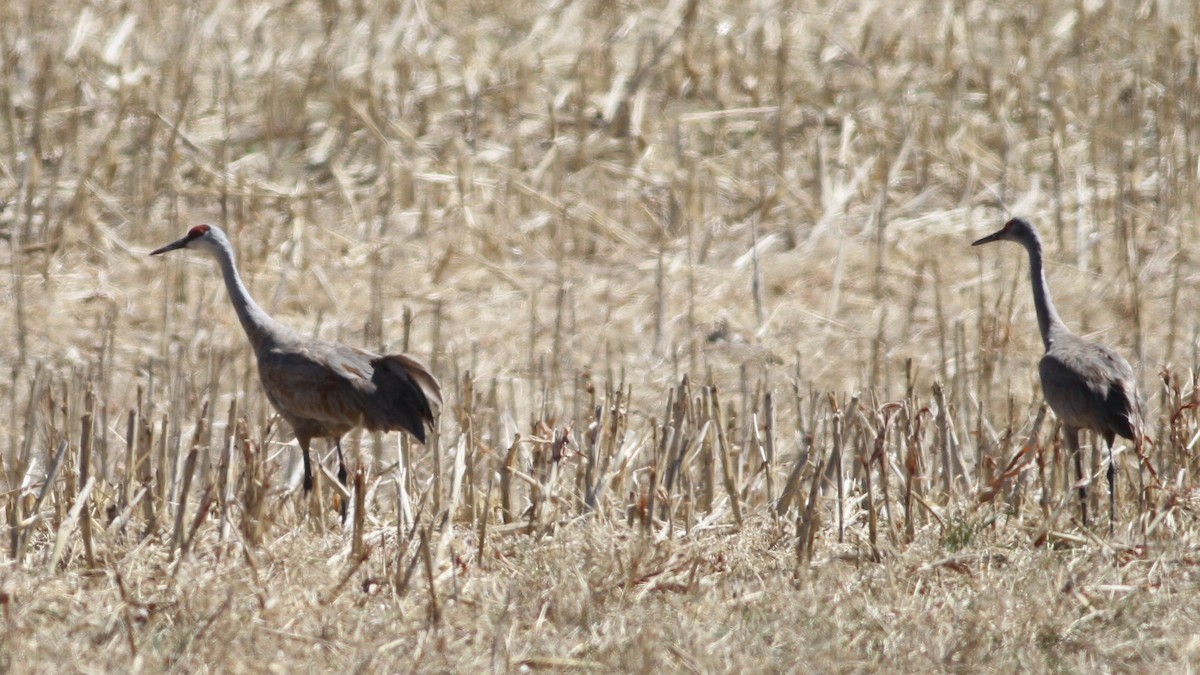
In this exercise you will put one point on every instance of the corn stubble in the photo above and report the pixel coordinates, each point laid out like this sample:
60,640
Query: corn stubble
726,387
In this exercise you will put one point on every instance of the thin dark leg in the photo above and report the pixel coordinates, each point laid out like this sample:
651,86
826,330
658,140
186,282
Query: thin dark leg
1073,443
308,476
341,464
1112,490
342,478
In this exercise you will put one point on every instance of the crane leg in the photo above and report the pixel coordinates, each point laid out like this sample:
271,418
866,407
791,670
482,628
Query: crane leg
308,476
342,477
341,464
1112,490
1073,444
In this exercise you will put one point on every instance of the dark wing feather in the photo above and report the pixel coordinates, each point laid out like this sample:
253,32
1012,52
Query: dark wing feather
1089,386
406,394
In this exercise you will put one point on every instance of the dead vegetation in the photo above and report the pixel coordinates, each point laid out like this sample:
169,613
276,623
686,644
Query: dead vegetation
727,388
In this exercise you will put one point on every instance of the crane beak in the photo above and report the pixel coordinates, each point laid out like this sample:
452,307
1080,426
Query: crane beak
182,243
995,236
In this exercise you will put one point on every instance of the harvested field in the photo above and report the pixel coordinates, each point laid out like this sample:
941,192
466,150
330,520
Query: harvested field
726,386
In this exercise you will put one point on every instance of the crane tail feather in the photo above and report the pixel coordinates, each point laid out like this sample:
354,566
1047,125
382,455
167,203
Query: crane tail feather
412,395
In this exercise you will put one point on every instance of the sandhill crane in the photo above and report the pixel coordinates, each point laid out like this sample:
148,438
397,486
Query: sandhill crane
1088,385
323,389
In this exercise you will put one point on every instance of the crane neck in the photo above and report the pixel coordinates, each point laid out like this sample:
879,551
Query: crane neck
1049,322
259,326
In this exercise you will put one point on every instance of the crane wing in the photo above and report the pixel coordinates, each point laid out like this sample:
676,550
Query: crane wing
329,388
317,384
1089,386
406,396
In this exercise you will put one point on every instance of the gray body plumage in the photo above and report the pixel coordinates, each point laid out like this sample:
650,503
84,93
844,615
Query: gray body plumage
1087,385
323,389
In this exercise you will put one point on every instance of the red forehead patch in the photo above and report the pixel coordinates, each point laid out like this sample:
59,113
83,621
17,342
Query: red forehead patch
198,231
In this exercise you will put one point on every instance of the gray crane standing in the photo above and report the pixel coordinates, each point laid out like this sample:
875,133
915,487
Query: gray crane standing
1088,385
323,389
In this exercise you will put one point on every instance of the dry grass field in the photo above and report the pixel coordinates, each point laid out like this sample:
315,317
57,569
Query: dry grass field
727,388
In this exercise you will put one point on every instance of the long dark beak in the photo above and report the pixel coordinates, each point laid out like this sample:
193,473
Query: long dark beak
171,246
995,236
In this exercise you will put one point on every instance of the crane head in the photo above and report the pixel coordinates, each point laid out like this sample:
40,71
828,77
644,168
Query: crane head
198,236
1017,230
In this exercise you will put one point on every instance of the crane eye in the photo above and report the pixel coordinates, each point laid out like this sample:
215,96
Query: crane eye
198,231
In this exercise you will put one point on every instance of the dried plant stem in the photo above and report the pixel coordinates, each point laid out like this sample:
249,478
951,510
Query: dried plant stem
723,450
85,475
189,470
435,612
806,517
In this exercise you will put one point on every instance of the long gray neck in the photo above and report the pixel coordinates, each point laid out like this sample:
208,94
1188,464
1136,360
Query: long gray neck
1049,323
259,327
